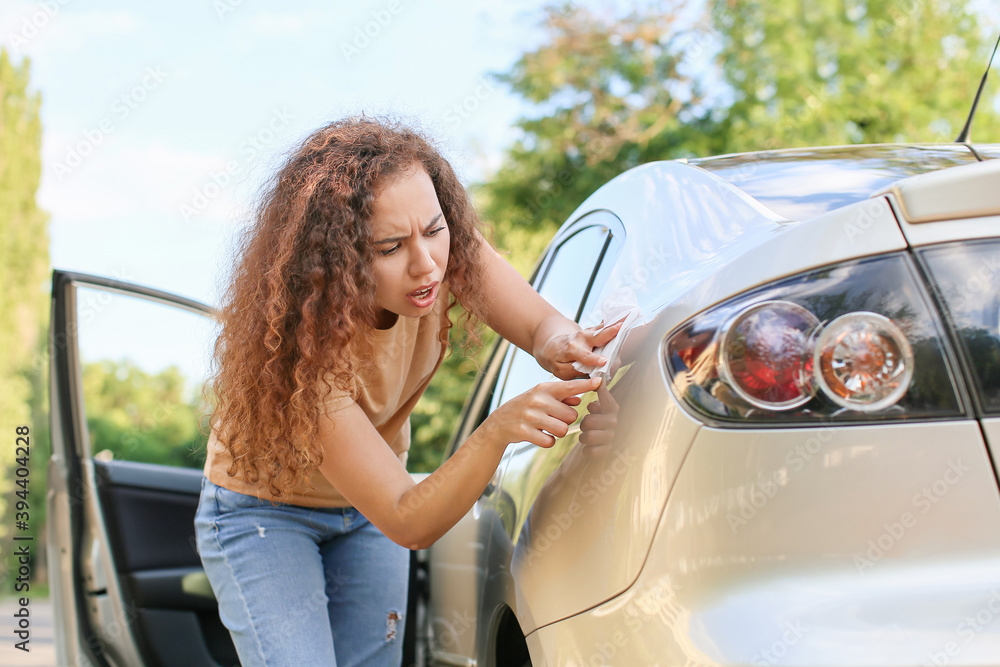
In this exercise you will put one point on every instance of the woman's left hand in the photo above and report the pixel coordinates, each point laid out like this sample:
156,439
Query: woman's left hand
568,343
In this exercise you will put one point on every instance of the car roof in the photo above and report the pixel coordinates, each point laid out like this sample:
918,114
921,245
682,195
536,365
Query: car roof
802,183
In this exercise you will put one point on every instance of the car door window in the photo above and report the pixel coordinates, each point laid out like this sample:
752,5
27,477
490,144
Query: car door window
564,282
142,365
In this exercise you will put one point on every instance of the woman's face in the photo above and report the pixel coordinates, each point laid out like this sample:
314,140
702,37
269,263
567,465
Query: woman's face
411,247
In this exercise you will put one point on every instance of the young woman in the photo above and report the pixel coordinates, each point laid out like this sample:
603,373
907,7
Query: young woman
335,321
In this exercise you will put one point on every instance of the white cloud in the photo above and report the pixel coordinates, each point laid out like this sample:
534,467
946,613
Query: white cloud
30,28
125,180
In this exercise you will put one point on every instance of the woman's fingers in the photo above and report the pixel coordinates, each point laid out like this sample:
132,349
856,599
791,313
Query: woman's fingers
567,388
544,413
582,347
556,427
599,422
605,335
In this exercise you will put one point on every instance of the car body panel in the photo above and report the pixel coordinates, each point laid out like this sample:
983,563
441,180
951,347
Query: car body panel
591,584
593,508
734,572
945,231
969,191
991,432
554,491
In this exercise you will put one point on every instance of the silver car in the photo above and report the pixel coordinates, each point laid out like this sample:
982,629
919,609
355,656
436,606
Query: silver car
793,460
790,461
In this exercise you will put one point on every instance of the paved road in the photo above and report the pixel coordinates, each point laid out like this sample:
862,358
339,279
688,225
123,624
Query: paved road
43,648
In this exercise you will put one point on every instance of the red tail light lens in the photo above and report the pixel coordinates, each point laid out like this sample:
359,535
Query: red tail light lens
765,354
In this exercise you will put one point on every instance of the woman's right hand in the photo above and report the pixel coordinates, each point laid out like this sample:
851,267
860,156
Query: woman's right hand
540,413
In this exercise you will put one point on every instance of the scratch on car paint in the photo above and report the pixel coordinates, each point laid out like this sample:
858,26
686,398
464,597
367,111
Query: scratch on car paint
390,625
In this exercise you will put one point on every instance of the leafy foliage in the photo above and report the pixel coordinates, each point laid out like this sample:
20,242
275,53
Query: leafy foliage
613,88
24,265
827,73
611,92
133,415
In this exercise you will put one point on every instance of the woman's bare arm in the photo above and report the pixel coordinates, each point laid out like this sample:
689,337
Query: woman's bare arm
517,312
360,464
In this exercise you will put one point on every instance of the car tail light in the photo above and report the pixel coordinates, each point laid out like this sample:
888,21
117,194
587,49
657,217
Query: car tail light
858,341
765,354
863,361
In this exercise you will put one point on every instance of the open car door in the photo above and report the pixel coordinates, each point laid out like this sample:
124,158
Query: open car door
129,428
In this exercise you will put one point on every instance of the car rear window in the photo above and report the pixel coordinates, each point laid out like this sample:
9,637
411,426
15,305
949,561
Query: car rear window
803,183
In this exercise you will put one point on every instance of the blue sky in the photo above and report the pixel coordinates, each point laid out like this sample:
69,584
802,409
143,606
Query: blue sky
162,119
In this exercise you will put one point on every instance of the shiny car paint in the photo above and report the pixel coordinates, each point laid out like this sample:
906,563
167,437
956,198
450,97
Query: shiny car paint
686,541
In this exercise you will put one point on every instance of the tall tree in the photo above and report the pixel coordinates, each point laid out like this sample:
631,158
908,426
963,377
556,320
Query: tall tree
24,266
850,71
610,90
135,415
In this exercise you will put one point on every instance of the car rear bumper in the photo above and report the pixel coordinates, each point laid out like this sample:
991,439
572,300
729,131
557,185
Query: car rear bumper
855,545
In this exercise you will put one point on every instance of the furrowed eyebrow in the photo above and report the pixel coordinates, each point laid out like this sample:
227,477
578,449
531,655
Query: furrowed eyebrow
396,239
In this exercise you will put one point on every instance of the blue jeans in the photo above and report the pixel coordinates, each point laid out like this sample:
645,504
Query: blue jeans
302,585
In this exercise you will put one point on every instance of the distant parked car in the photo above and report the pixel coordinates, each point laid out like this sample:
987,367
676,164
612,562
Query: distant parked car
792,462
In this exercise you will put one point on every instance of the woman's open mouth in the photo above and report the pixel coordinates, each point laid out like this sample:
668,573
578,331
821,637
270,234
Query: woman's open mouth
423,297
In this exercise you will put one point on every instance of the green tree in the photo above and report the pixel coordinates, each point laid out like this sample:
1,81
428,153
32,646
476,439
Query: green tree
611,91
435,417
133,415
24,267
850,71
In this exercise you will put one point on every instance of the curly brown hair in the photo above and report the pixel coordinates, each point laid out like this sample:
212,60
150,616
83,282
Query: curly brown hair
302,288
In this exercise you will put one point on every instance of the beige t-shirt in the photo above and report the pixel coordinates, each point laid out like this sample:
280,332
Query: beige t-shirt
406,357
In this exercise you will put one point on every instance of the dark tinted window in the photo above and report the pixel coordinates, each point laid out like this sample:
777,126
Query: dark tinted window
802,183
967,276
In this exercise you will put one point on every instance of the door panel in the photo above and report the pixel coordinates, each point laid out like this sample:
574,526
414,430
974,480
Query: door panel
470,564
128,364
